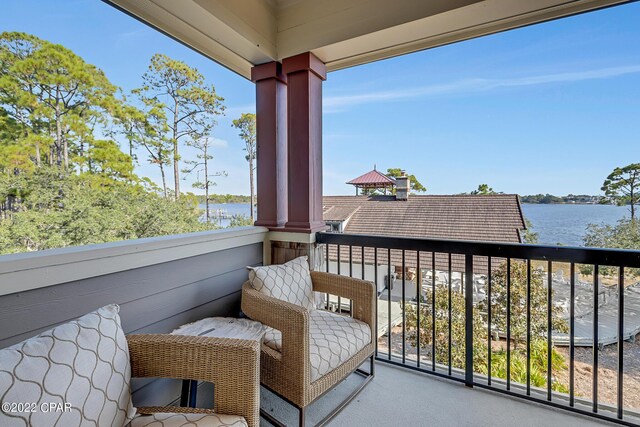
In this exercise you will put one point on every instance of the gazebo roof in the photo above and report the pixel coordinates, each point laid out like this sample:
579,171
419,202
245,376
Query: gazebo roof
373,179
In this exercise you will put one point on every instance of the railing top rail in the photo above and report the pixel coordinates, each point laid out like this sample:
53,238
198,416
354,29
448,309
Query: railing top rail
578,255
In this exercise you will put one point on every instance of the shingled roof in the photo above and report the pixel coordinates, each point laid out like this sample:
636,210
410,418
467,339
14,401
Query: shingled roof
372,179
492,218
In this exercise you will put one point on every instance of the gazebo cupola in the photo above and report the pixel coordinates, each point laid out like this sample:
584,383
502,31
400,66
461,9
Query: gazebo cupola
373,180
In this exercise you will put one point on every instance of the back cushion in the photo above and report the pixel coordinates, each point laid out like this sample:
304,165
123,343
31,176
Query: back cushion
289,282
77,373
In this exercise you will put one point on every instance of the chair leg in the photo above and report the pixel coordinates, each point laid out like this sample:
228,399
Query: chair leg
301,417
372,366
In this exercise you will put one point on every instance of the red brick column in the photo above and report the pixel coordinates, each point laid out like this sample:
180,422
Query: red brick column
271,130
305,74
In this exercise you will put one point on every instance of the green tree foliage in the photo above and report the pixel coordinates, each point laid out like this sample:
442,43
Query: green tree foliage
415,184
246,124
239,220
226,198
623,186
625,234
529,236
54,94
518,306
191,105
60,185
498,307
483,189
542,199
151,132
60,209
442,329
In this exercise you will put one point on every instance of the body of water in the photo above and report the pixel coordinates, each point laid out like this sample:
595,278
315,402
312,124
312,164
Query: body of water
226,209
566,224
555,224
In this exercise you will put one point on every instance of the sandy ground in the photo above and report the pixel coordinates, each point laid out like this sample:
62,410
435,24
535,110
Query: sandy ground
607,370
607,373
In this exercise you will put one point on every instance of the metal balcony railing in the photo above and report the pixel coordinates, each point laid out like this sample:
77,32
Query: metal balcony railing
498,300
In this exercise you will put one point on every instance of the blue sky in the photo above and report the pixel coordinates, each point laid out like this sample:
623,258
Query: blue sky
551,108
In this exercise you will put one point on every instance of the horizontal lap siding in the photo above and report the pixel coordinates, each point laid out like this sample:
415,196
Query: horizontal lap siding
152,299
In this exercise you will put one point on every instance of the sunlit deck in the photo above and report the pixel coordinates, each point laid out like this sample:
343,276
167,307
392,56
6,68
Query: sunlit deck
401,397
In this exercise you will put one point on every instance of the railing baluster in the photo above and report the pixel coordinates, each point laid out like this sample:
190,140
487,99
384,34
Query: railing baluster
572,333
404,273
468,315
350,275
596,274
549,326
521,253
389,298
375,278
326,296
489,305
620,339
418,306
508,324
528,327
339,310
327,255
449,307
433,311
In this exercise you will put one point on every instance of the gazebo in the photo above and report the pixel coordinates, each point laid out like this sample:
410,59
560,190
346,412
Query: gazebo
373,180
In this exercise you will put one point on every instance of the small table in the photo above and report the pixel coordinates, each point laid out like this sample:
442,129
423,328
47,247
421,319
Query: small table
217,327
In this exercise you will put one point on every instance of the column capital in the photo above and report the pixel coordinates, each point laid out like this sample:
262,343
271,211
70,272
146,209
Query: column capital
304,62
270,70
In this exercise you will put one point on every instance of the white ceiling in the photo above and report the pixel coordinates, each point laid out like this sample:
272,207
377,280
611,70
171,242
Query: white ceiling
342,33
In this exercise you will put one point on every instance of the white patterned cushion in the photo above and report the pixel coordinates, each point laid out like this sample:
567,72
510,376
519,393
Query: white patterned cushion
289,282
83,363
169,419
333,339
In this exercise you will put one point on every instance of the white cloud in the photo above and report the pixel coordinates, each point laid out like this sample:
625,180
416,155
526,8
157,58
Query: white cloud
218,143
339,103
128,35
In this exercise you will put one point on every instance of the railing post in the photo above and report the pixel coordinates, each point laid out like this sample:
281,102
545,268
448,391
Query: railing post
468,321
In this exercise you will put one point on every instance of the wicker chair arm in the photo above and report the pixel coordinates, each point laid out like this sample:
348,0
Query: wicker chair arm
272,312
290,319
233,365
361,292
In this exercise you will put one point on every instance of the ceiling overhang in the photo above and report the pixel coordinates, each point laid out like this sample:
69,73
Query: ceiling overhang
342,33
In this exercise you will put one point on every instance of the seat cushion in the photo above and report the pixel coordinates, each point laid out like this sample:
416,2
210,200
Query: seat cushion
289,282
333,339
83,364
171,419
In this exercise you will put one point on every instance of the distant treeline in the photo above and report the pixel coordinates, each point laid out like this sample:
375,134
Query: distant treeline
225,198
571,198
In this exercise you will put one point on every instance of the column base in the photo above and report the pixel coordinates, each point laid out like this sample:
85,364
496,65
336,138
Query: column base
304,227
282,252
271,225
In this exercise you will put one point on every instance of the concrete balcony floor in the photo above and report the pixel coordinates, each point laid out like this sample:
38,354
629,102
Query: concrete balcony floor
401,397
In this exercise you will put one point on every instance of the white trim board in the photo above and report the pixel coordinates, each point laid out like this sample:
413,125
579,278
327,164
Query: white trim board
26,271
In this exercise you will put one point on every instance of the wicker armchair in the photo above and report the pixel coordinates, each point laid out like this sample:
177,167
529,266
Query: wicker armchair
232,365
288,372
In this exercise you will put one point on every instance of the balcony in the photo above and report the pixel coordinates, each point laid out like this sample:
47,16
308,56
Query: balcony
164,282
403,397
503,314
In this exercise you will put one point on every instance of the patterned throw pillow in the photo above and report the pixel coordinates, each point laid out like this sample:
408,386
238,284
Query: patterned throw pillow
77,373
289,282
